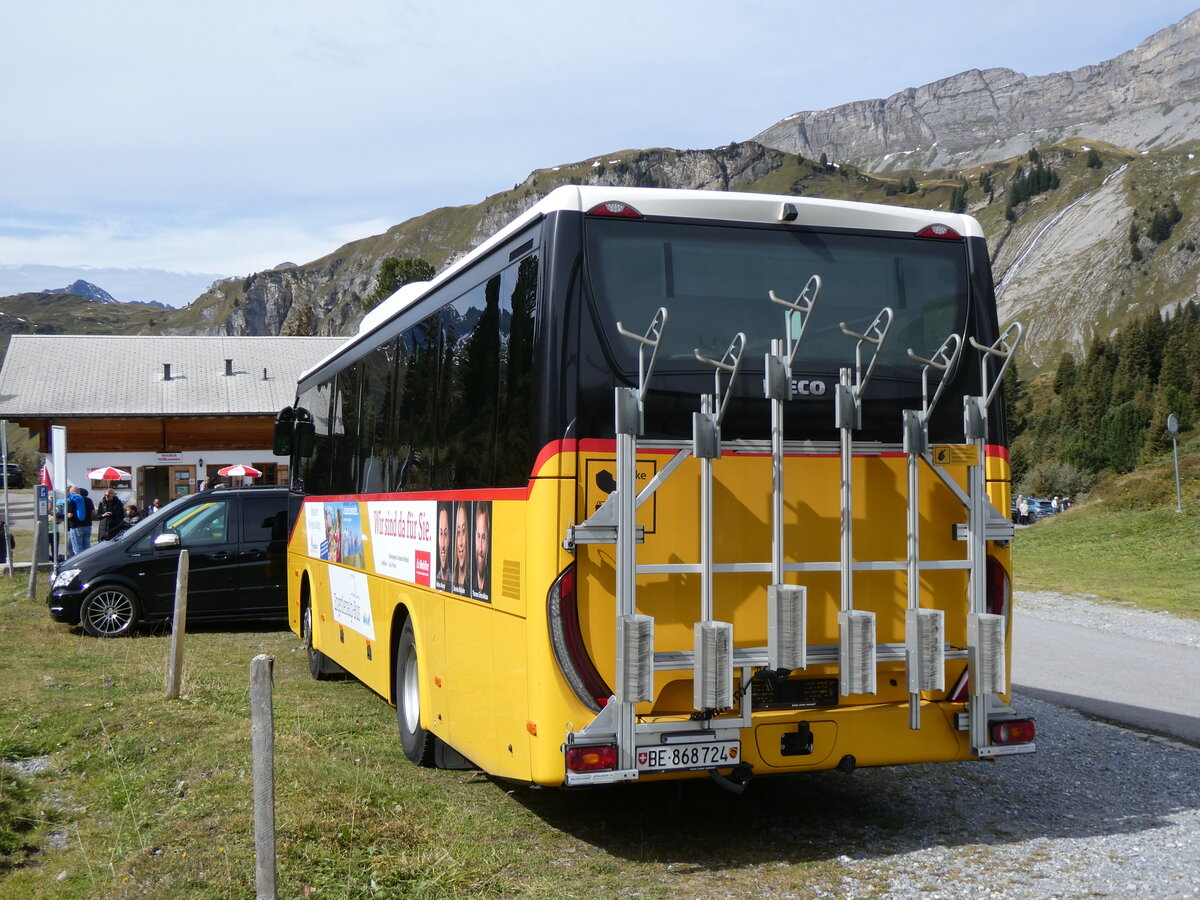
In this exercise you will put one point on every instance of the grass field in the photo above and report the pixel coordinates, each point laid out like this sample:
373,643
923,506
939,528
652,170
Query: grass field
1127,543
126,794
131,795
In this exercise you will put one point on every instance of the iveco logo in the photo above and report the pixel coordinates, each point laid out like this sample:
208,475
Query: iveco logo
802,387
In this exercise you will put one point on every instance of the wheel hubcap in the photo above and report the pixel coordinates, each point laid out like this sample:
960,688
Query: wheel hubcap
110,612
412,699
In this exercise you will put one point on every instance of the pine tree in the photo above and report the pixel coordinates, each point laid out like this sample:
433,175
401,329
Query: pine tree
1122,433
1066,374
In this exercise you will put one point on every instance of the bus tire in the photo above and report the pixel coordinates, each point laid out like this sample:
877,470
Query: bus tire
418,743
320,666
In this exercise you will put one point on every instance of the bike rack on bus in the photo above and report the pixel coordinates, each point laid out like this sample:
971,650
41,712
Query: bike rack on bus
856,627
713,657
787,604
985,631
924,629
857,654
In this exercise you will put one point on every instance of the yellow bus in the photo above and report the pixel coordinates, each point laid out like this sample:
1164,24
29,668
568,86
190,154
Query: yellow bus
666,484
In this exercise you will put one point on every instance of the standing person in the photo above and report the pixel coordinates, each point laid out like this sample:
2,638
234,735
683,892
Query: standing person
111,513
1054,507
89,516
1023,510
154,507
78,530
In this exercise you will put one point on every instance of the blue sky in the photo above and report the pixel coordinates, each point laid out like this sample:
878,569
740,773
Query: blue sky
224,138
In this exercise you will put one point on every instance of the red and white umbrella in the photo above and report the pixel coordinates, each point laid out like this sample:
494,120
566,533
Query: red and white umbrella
109,473
240,471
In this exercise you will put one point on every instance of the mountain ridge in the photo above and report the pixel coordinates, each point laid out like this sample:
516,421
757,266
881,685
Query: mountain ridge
1147,96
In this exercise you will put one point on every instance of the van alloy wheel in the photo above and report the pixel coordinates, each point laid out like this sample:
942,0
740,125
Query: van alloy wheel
109,612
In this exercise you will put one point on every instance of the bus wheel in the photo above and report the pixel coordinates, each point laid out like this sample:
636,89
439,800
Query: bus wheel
418,743
320,667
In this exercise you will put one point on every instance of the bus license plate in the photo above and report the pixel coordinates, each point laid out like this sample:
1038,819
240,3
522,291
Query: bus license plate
684,756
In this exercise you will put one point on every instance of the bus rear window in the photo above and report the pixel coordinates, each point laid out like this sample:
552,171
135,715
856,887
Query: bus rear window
716,280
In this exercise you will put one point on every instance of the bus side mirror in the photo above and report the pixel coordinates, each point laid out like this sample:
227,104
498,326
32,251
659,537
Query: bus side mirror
284,429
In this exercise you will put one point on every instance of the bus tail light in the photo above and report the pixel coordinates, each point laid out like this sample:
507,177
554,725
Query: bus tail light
596,758
1014,731
940,232
566,639
615,209
998,590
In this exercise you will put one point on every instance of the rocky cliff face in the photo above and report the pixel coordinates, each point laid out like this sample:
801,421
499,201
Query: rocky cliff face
1143,98
270,302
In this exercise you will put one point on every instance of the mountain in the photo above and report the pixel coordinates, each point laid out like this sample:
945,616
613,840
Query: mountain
1071,262
1145,98
84,289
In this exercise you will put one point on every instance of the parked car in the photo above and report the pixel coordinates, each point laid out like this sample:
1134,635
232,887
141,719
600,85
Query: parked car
16,477
1041,508
236,540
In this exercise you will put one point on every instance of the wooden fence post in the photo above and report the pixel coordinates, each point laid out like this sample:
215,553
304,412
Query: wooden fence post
178,628
39,535
262,744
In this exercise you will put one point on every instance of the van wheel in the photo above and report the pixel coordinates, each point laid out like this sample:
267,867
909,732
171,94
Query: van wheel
320,666
418,743
109,611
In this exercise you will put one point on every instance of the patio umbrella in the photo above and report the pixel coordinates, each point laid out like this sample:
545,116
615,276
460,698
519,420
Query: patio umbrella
240,471
109,473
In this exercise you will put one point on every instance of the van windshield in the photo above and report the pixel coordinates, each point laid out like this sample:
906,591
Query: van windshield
715,280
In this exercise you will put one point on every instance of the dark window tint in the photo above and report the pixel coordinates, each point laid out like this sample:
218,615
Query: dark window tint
716,281
264,519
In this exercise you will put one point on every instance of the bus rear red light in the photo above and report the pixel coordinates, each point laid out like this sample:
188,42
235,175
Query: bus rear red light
615,209
1015,731
941,232
997,588
566,640
598,758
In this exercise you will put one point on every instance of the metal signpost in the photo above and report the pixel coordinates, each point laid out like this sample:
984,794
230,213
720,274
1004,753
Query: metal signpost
1173,427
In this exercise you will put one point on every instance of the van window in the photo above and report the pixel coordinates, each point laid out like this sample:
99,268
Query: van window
197,525
264,519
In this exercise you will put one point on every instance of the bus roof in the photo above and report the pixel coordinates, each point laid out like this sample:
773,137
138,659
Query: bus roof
688,204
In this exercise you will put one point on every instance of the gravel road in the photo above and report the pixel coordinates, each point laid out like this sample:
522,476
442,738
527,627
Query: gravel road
1098,811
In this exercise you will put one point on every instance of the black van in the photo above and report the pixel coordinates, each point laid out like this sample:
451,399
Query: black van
236,538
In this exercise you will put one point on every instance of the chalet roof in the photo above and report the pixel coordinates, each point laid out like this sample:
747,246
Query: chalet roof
64,376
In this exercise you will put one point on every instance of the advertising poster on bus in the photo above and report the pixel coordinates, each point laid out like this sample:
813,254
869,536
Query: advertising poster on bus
464,544
402,538
481,546
351,601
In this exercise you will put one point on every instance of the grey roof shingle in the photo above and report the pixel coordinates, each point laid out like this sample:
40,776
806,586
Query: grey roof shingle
62,376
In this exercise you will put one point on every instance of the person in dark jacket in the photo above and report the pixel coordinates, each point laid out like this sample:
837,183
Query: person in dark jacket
111,513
